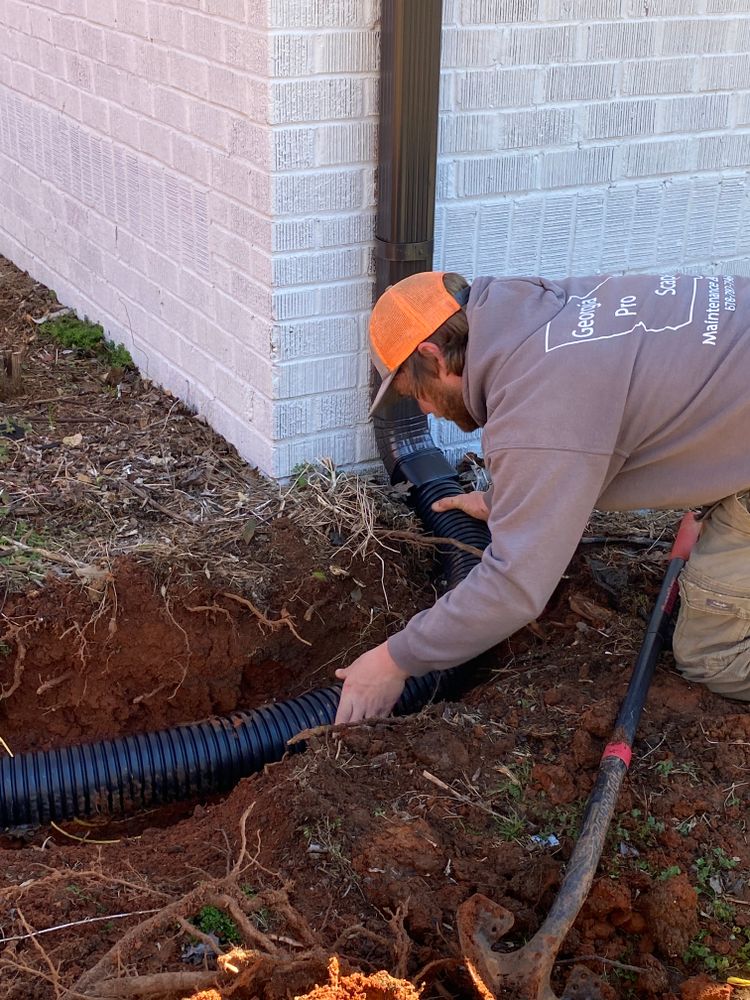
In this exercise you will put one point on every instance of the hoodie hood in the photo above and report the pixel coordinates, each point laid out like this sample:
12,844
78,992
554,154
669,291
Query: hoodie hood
505,311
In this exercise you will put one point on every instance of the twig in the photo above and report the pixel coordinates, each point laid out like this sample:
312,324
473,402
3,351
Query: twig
283,619
46,553
155,503
599,958
415,538
74,923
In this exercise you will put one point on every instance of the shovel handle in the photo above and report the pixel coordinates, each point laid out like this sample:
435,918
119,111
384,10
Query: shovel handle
687,536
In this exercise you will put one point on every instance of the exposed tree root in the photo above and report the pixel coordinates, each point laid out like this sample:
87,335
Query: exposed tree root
247,968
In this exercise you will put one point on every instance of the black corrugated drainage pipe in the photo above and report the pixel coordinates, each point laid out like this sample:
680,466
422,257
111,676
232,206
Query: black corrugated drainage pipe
148,769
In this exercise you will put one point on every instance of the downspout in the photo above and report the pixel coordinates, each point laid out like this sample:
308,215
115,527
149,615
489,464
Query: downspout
147,769
407,167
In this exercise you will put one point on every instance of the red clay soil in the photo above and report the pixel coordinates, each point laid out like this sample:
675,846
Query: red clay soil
363,846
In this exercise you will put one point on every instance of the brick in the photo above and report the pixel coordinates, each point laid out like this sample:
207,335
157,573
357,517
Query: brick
467,133
339,144
101,12
232,10
293,235
191,157
241,180
498,11
155,140
119,51
314,338
458,251
334,190
202,37
580,82
246,49
319,14
542,127
209,124
585,10
503,88
698,35
340,448
293,148
188,74
248,330
617,119
645,159
717,152
725,72
108,82
227,87
314,268
620,40
317,100
576,167
694,114
469,47
346,298
642,77
18,16
538,46
131,17
347,52
663,8
94,112
497,175
345,230
292,55
166,24
247,140
78,71
244,222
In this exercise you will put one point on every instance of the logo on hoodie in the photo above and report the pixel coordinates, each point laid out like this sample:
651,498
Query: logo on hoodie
610,310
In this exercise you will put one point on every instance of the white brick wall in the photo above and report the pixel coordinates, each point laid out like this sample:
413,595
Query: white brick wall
198,175
613,135
136,158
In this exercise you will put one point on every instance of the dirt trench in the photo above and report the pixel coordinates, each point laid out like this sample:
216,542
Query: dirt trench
150,578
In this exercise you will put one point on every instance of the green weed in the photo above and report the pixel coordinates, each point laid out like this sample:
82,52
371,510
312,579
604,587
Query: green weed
667,873
88,338
212,920
699,952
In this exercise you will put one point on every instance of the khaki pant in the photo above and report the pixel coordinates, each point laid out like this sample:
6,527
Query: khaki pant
712,638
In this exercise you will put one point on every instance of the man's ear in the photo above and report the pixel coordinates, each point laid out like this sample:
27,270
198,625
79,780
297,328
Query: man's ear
432,353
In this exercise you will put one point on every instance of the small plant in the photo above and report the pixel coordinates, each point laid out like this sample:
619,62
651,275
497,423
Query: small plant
698,951
668,767
73,333
668,873
510,827
88,338
212,920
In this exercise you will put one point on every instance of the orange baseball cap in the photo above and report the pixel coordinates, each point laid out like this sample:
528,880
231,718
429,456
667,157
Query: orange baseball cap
404,316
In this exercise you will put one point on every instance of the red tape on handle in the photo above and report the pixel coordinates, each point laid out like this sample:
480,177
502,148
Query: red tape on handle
620,750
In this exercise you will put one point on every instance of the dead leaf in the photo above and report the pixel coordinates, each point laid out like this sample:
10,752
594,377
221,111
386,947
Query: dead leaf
73,440
587,609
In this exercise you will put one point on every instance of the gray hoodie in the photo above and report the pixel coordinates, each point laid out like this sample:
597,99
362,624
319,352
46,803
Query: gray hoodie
609,392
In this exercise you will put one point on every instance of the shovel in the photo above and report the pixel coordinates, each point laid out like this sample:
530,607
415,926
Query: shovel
524,974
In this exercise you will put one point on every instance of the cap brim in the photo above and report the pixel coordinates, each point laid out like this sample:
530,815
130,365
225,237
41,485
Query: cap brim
382,392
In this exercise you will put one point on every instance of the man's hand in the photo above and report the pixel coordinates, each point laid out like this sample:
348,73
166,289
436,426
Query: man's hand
372,686
470,503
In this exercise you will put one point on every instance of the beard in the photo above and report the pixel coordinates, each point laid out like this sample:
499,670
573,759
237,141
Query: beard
448,402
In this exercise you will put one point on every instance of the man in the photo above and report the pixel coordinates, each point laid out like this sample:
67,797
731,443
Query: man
611,392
